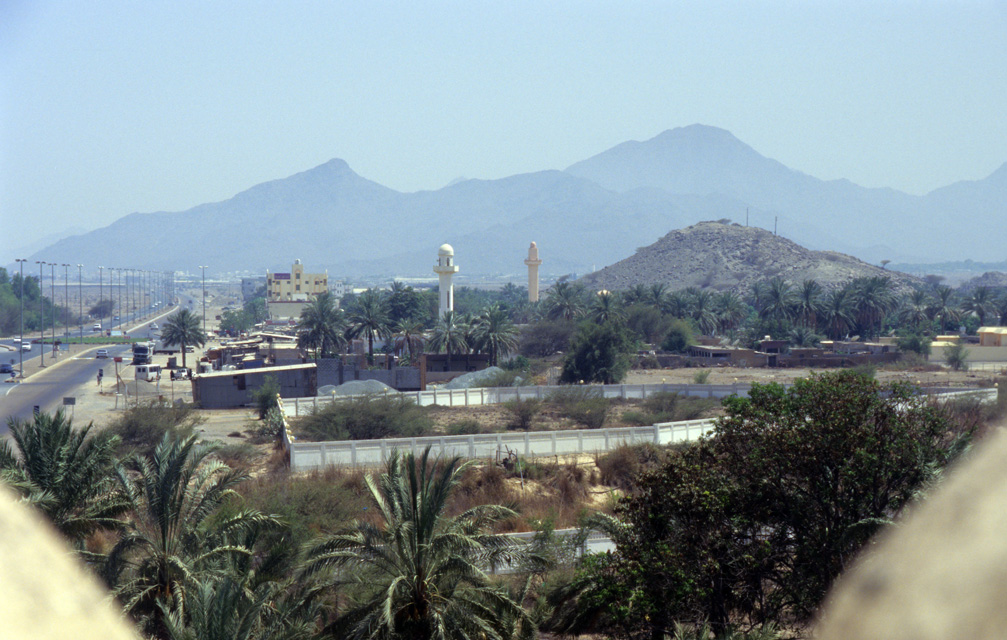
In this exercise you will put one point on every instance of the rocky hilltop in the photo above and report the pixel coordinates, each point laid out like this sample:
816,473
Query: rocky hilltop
991,279
721,255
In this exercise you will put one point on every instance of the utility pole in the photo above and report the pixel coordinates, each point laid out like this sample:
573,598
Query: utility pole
52,289
80,300
66,301
101,313
20,371
204,298
41,311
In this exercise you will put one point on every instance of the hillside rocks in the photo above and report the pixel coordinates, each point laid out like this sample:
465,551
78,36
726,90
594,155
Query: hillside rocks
725,256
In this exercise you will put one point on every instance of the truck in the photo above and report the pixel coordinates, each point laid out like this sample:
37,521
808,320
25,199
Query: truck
143,352
165,349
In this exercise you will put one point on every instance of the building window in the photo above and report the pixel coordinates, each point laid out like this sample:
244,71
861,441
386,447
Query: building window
298,287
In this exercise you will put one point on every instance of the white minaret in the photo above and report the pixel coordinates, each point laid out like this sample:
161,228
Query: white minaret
445,268
533,262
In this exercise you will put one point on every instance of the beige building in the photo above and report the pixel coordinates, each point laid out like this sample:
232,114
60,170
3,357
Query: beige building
295,285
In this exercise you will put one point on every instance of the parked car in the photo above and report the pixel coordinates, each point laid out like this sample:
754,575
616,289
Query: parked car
96,327
6,369
25,346
101,353
153,325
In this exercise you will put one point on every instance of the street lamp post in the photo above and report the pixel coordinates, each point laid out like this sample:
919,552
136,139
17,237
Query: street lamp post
52,291
204,298
66,301
41,311
80,301
101,313
20,371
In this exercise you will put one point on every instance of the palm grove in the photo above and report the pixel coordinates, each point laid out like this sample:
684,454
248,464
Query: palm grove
709,536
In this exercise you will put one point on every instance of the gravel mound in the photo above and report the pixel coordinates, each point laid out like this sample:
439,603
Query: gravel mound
472,379
355,388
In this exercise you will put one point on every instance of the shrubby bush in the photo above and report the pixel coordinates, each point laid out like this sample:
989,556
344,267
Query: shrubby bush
142,427
584,405
365,418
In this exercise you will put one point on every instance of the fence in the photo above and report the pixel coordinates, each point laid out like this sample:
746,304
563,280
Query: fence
305,456
497,395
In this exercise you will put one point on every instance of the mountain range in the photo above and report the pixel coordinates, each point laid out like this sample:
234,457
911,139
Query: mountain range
591,214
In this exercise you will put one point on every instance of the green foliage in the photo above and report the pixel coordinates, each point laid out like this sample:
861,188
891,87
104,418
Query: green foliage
547,337
522,413
701,377
669,407
183,328
678,337
867,370
506,378
419,573
464,427
599,353
141,428
757,521
914,343
64,472
517,363
957,356
174,543
267,396
365,418
584,405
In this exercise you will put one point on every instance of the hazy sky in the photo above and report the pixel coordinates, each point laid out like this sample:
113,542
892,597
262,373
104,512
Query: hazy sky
113,107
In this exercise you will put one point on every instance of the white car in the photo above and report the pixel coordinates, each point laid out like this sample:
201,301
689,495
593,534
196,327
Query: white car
96,327
153,325
25,346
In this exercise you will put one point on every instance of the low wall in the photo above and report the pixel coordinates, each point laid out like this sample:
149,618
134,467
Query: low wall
976,353
305,456
481,396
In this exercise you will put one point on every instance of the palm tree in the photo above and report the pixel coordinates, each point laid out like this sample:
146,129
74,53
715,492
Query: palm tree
65,473
803,337
730,311
637,294
676,304
495,332
422,574
809,303
914,309
175,536
778,301
369,317
979,303
656,294
322,326
449,335
182,328
410,334
605,307
943,308
1000,307
872,300
837,313
565,301
703,311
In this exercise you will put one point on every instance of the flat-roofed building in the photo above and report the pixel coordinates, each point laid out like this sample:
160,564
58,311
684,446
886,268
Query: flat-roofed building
296,285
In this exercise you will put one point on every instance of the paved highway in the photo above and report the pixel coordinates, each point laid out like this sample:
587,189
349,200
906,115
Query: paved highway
47,388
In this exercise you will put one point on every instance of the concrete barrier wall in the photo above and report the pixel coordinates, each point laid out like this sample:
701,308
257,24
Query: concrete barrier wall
305,456
483,396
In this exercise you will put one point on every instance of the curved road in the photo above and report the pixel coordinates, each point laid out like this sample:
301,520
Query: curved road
47,388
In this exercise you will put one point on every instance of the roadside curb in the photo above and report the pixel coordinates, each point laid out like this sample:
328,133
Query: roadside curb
85,351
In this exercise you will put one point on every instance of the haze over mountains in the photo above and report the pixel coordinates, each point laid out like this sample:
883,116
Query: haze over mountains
594,213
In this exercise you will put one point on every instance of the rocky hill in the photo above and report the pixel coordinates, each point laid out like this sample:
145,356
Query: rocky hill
724,256
991,279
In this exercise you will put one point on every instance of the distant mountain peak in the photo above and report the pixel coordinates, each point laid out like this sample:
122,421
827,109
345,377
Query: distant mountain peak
699,133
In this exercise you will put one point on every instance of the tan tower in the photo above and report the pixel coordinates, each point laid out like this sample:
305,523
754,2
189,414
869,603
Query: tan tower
533,262
445,269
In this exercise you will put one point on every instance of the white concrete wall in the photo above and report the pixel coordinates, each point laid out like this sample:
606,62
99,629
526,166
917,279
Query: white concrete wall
482,396
305,456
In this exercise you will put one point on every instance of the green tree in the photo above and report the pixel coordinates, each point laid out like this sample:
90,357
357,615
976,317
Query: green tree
758,520
369,317
943,308
779,301
182,328
65,472
979,303
175,538
837,313
322,326
411,336
914,309
605,307
421,573
703,311
495,333
957,356
449,335
873,299
809,303
599,353
565,301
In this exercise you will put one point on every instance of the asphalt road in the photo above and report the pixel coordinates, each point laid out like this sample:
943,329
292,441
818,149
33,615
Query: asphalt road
47,389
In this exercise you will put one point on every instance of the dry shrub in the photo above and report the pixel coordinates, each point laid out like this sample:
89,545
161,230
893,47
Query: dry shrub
572,483
620,467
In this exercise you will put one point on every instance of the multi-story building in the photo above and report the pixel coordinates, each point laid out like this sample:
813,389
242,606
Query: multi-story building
295,285
249,286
